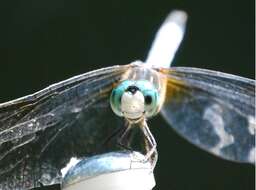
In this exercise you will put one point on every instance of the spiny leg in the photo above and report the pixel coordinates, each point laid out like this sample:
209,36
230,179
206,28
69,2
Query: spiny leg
150,143
115,134
121,141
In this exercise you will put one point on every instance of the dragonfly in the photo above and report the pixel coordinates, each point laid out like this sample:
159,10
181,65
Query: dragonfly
41,132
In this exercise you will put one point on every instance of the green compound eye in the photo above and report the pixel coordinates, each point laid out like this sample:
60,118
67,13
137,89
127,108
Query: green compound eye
151,97
116,95
151,101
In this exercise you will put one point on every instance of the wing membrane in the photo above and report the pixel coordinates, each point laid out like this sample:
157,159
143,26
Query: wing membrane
39,133
213,110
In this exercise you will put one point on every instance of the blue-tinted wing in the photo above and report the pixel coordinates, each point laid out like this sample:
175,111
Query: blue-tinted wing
41,132
213,110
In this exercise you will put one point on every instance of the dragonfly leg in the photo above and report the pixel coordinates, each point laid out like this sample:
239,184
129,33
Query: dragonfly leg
150,142
113,135
121,140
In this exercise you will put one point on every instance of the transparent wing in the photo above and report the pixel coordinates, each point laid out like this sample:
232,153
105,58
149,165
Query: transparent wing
213,110
39,133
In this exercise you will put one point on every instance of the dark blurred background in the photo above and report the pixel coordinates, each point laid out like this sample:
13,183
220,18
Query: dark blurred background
46,41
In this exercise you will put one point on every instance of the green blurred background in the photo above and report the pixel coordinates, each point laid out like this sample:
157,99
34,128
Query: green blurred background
46,41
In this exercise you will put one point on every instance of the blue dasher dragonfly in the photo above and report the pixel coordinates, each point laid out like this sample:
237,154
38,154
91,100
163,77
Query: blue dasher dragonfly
41,132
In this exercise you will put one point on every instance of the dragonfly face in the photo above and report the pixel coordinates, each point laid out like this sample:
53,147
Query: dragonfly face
140,94
134,101
40,133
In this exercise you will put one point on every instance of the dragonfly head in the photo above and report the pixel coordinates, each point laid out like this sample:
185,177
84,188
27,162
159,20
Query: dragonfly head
134,100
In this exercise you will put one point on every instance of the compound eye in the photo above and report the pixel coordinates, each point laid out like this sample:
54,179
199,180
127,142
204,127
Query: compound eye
116,96
148,100
151,102
115,101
